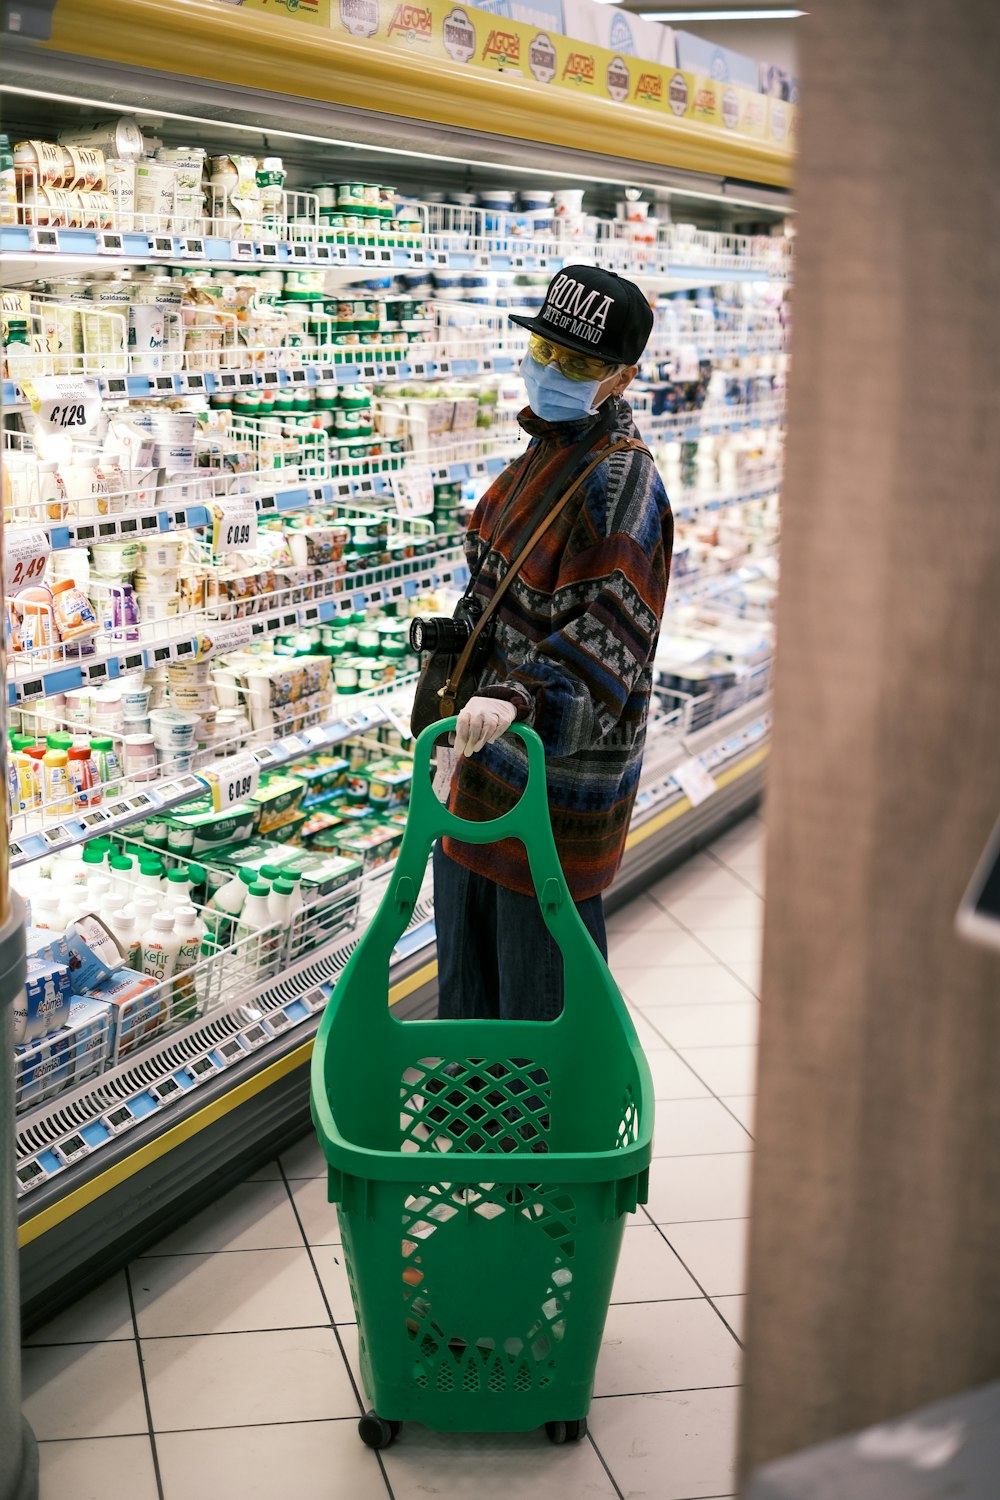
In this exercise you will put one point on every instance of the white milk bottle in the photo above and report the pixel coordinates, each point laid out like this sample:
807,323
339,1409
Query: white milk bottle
191,930
254,949
160,947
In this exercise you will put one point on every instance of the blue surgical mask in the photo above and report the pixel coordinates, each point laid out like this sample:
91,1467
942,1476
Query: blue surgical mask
553,397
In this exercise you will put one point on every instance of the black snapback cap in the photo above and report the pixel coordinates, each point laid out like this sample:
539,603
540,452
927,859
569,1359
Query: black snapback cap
594,312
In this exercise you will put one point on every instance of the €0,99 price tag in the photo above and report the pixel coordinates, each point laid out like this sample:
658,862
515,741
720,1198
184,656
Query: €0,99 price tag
234,524
232,780
25,554
414,490
694,781
69,404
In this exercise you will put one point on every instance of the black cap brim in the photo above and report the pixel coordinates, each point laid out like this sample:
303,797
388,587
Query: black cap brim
535,325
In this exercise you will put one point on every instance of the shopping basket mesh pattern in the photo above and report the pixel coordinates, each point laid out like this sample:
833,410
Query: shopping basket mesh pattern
518,1358
628,1128
475,1105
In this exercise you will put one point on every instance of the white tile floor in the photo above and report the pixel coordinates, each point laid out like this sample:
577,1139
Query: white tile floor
223,1364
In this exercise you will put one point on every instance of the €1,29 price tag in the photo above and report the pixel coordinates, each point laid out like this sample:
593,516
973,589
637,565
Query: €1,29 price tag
234,524
25,554
69,404
694,781
232,780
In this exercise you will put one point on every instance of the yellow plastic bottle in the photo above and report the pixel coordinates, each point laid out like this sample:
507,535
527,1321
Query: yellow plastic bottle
55,781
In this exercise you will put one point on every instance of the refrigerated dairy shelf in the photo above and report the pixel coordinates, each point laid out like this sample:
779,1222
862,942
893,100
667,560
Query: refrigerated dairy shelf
76,1171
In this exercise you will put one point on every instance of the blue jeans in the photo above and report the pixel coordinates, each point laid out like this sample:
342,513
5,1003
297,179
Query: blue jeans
496,958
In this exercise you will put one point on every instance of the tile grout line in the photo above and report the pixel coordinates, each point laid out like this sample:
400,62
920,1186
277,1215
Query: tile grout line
603,1461
333,1323
704,1293
145,1389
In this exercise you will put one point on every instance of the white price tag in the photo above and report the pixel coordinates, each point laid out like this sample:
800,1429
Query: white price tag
25,554
222,636
413,489
234,524
694,781
69,404
232,780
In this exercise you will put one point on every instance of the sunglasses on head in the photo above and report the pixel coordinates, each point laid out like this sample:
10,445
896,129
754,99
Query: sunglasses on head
574,366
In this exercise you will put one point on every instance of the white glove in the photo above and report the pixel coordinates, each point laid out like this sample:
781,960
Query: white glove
482,720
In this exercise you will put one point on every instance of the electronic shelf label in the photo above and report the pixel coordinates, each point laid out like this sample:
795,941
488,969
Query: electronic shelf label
230,1052
165,383
202,1067
120,1119
298,377
247,377
30,1175
269,251
243,249
44,239
255,1035
161,244
270,377
279,1021
301,252
323,252
71,1149
196,382
195,246
165,1090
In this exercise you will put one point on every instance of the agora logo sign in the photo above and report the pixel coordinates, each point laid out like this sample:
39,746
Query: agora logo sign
650,87
411,21
579,67
502,46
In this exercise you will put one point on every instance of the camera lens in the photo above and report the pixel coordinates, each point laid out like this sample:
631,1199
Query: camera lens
423,635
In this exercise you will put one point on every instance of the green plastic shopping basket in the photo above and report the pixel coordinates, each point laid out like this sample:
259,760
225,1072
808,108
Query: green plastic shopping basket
482,1169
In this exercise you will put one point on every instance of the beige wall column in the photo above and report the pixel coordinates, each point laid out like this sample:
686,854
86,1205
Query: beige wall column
875,1248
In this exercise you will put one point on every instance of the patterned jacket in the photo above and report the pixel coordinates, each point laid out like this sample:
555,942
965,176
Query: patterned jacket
573,647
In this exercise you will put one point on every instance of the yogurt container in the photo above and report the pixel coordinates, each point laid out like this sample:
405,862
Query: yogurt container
173,730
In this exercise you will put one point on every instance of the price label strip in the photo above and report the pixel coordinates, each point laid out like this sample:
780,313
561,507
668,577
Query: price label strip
25,554
694,781
414,490
234,524
232,780
68,404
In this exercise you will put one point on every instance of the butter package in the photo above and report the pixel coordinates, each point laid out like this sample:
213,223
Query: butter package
71,1055
137,1008
43,1004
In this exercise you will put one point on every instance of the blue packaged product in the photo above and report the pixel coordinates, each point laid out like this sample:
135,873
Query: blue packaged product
41,1069
137,1008
88,951
43,1004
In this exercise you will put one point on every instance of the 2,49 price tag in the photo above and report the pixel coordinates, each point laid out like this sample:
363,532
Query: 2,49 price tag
232,780
64,403
234,524
25,554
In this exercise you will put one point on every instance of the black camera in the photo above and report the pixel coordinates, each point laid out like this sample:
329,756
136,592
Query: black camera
441,635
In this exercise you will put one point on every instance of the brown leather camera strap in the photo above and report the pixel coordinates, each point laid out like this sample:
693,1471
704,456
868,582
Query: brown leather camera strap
448,693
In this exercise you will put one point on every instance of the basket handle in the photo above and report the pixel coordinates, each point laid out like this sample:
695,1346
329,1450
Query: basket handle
364,981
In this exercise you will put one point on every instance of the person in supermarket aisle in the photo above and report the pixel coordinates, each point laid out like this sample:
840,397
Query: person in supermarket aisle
570,649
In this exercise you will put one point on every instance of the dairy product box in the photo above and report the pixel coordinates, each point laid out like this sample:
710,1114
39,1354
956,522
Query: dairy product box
375,844
137,1009
289,831
212,830
67,1057
252,855
323,774
696,55
278,797
618,31
389,783
43,1004
547,15
321,829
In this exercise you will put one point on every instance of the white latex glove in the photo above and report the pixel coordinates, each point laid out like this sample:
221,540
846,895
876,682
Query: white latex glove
482,720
